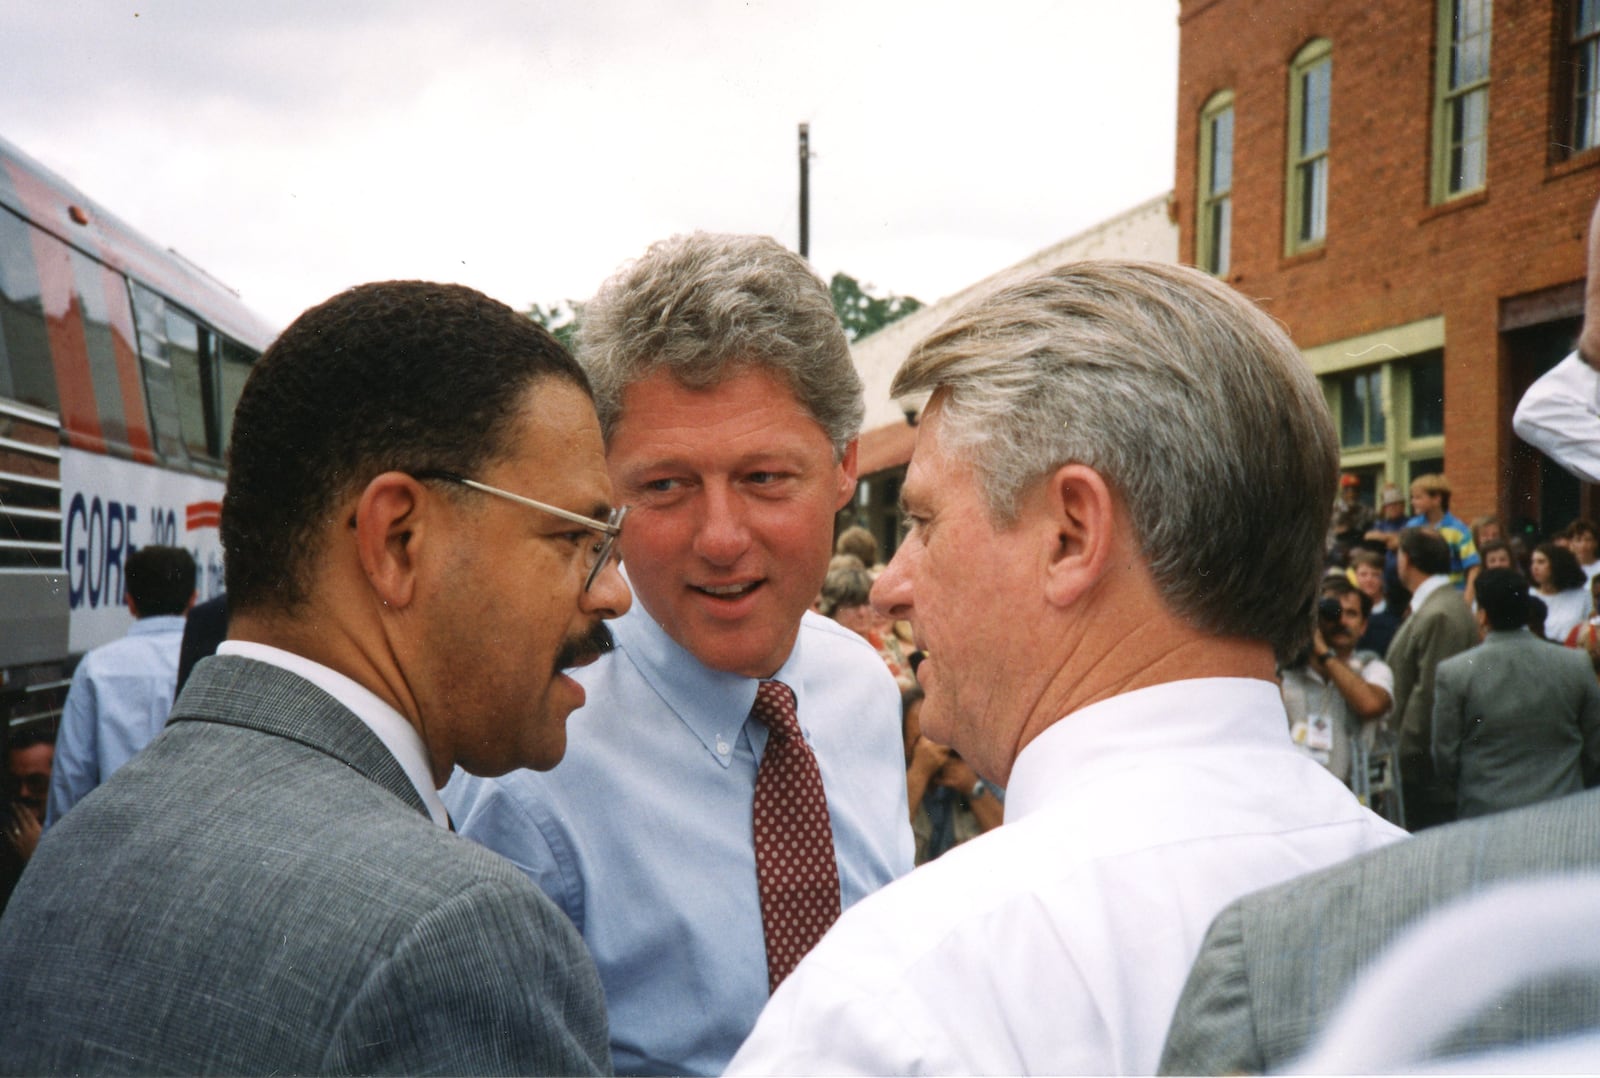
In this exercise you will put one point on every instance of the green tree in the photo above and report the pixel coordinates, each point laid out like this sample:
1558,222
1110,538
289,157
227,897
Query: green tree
561,319
861,312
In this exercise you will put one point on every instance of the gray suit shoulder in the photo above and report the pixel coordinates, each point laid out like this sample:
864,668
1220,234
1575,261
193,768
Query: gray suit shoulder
235,900
1276,964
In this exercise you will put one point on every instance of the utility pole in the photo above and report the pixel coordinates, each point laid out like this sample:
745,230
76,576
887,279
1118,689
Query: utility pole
805,190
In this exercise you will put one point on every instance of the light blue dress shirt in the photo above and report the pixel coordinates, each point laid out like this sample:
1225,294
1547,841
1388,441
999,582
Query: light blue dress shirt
118,702
642,834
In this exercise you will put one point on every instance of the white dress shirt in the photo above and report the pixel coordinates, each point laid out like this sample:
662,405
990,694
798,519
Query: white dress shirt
1427,588
391,727
1565,611
1560,416
1058,943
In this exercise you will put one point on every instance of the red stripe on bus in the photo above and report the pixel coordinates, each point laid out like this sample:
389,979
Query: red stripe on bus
69,351
202,515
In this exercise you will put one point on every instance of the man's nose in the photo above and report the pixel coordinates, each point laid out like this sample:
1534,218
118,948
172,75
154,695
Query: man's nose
723,534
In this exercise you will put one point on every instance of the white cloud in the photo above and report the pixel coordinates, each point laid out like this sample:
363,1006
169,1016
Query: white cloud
293,148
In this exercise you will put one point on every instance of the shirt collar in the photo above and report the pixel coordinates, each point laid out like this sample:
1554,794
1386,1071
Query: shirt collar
1130,729
713,704
157,623
390,727
1427,588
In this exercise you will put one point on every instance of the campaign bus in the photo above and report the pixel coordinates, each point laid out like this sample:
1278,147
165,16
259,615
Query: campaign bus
120,365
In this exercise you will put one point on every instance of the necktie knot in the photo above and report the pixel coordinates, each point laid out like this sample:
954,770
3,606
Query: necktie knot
775,709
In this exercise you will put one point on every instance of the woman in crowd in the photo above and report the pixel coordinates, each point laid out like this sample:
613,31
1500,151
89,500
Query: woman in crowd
1561,583
1584,543
846,591
1496,554
1487,530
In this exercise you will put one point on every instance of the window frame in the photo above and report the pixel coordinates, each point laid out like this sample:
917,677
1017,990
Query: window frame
1212,256
1315,54
1571,115
1397,454
1446,95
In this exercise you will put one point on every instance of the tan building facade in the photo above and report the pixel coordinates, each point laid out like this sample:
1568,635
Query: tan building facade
1146,231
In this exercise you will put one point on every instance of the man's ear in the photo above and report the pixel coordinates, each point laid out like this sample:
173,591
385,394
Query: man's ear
1080,522
390,519
847,475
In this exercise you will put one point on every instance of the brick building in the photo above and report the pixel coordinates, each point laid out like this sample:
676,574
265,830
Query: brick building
1406,185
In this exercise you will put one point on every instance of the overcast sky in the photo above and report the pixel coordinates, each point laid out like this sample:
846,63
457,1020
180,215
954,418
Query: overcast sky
293,148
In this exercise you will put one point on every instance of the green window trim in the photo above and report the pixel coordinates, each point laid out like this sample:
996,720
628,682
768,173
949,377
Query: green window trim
1403,428
1305,223
1583,66
1214,204
1460,164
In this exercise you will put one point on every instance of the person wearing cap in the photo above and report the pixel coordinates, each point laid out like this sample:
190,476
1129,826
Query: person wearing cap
1384,535
1385,530
1351,516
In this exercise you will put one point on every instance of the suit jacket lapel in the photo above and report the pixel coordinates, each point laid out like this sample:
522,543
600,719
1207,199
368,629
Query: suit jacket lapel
258,696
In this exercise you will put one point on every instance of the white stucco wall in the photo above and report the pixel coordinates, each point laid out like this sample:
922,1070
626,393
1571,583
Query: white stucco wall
1142,232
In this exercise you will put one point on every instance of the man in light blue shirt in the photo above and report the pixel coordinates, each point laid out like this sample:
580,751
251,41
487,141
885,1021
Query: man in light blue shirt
730,409
122,691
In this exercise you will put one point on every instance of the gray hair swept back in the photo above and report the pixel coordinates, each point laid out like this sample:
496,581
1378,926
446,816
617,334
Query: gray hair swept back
701,307
1193,404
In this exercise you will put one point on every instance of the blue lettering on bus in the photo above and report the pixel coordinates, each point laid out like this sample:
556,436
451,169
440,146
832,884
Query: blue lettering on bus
77,568
94,545
99,537
164,526
116,538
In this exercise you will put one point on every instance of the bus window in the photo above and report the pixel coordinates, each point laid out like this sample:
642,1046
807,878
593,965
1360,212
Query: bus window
26,372
100,333
189,350
235,368
150,315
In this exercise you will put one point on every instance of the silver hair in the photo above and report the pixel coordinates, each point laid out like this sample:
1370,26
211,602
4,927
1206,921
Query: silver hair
704,306
846,585
1193,404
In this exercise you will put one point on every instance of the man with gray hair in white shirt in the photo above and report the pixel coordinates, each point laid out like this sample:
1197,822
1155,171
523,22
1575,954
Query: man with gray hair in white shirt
1133,462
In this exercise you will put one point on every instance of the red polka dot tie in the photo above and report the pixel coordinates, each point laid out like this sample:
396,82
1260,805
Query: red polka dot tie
795,869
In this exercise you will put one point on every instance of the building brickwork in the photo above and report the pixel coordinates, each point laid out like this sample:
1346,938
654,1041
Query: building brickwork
1499,267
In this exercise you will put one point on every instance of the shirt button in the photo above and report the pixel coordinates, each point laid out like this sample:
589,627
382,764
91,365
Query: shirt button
722,747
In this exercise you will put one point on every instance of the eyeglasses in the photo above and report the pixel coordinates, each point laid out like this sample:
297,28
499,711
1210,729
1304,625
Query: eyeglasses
599,553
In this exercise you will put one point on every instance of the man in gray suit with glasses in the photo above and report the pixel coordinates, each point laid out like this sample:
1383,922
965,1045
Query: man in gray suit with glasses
417,531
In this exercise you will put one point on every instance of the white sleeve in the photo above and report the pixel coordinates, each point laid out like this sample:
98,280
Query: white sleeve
1560,416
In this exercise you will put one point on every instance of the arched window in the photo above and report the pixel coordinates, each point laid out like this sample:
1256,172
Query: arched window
1214,207
1310,97
1461,98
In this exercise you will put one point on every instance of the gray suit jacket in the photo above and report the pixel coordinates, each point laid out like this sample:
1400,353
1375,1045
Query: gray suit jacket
1515,720
1276,964
262,890
1442,627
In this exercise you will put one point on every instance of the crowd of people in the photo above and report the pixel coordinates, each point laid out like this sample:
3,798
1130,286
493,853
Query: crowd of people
554,731
1363,699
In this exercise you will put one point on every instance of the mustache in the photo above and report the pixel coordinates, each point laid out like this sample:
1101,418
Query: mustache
591,645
